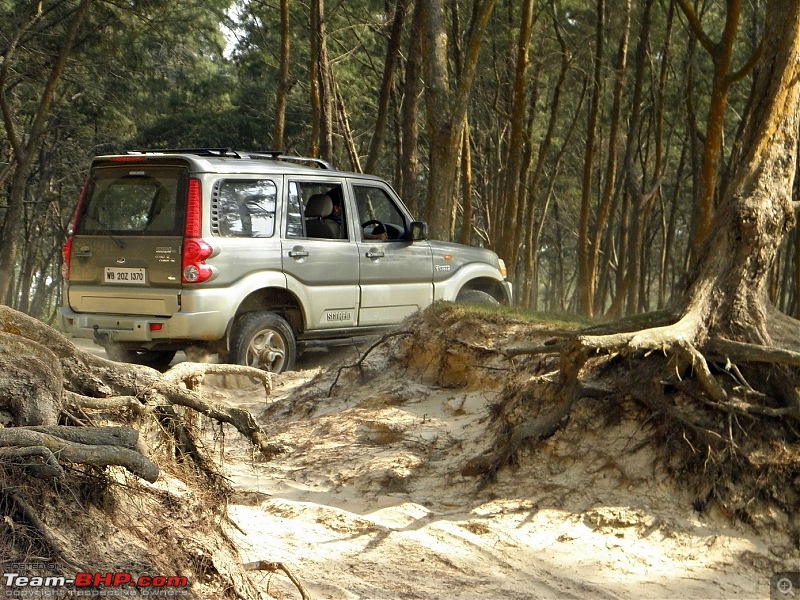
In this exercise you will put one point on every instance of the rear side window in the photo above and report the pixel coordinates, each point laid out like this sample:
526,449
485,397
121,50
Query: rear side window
244,208
138,200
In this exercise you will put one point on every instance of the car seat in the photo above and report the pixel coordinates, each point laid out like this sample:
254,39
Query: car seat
318,207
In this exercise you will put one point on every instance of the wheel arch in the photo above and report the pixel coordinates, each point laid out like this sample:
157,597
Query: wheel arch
488,285
278,300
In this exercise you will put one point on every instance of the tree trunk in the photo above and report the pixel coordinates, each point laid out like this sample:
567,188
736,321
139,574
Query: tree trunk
314,78
327,85
729,290
412,88
466,187
606,199
392,54
586,282
721,53
513,208
283,79
445,111
25,146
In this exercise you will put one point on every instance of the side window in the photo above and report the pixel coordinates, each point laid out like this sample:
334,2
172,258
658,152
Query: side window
244,208
316,210
376,209
294,216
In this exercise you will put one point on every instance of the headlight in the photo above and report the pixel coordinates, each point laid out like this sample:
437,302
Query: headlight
503,271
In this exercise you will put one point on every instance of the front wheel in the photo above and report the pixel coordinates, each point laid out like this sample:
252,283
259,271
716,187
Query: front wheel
263,340
476,297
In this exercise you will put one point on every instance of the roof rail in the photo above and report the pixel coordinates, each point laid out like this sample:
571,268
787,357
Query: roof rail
228,152
220,152
278,155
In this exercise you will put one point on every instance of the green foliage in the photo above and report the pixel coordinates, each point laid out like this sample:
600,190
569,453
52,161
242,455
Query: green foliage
158,73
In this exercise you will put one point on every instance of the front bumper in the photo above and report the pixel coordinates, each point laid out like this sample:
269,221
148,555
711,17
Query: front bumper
509,291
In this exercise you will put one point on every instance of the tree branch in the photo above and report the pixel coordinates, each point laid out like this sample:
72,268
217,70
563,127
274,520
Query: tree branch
697,27
748,66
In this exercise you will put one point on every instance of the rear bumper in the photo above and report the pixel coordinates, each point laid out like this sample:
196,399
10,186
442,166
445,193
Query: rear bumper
104,329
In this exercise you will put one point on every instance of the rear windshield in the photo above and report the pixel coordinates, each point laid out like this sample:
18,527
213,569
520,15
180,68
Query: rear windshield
135,200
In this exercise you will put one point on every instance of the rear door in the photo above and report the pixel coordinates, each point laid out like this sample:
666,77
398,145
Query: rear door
321,262
126,253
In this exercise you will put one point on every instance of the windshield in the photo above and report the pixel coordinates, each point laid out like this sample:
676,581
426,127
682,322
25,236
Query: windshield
136,200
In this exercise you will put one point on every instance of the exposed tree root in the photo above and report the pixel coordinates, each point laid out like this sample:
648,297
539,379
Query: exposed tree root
192,374
358,364
52,540
95,453
60,375
717,403
53,396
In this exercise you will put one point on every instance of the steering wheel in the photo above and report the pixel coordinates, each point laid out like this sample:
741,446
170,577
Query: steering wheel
377,224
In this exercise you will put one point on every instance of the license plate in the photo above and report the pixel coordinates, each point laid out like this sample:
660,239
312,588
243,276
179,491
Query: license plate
125,275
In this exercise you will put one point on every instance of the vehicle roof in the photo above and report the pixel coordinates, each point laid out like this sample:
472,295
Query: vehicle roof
230,161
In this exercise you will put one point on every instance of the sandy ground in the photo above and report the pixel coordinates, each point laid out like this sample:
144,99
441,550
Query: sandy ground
368,499
371,497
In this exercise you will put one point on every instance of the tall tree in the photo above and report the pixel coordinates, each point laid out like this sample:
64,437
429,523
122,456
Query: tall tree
722,55
410,121
585,275
282,99
514,175
25,143
725,317
445,109
389,66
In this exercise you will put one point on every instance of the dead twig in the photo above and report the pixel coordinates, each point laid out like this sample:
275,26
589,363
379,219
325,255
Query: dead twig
274,567
364,356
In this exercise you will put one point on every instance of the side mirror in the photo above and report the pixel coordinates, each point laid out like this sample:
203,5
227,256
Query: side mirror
419,231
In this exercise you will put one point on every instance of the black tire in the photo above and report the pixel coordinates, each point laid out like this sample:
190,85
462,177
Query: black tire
476,297
263,340
157,359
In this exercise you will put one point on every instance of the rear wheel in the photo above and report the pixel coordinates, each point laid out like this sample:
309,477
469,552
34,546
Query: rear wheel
263,340
476,297
158,359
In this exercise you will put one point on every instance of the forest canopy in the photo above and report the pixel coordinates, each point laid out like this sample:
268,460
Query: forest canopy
589,143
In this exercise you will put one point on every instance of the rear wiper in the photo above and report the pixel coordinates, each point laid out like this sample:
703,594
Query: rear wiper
101,228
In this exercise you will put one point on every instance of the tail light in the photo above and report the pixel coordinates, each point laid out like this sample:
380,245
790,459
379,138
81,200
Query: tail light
66,251
193,268
195,250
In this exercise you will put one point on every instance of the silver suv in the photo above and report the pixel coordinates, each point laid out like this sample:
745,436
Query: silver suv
250,255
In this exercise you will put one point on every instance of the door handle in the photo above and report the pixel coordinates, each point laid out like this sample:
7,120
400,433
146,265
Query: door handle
375,254
82,253
298,253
